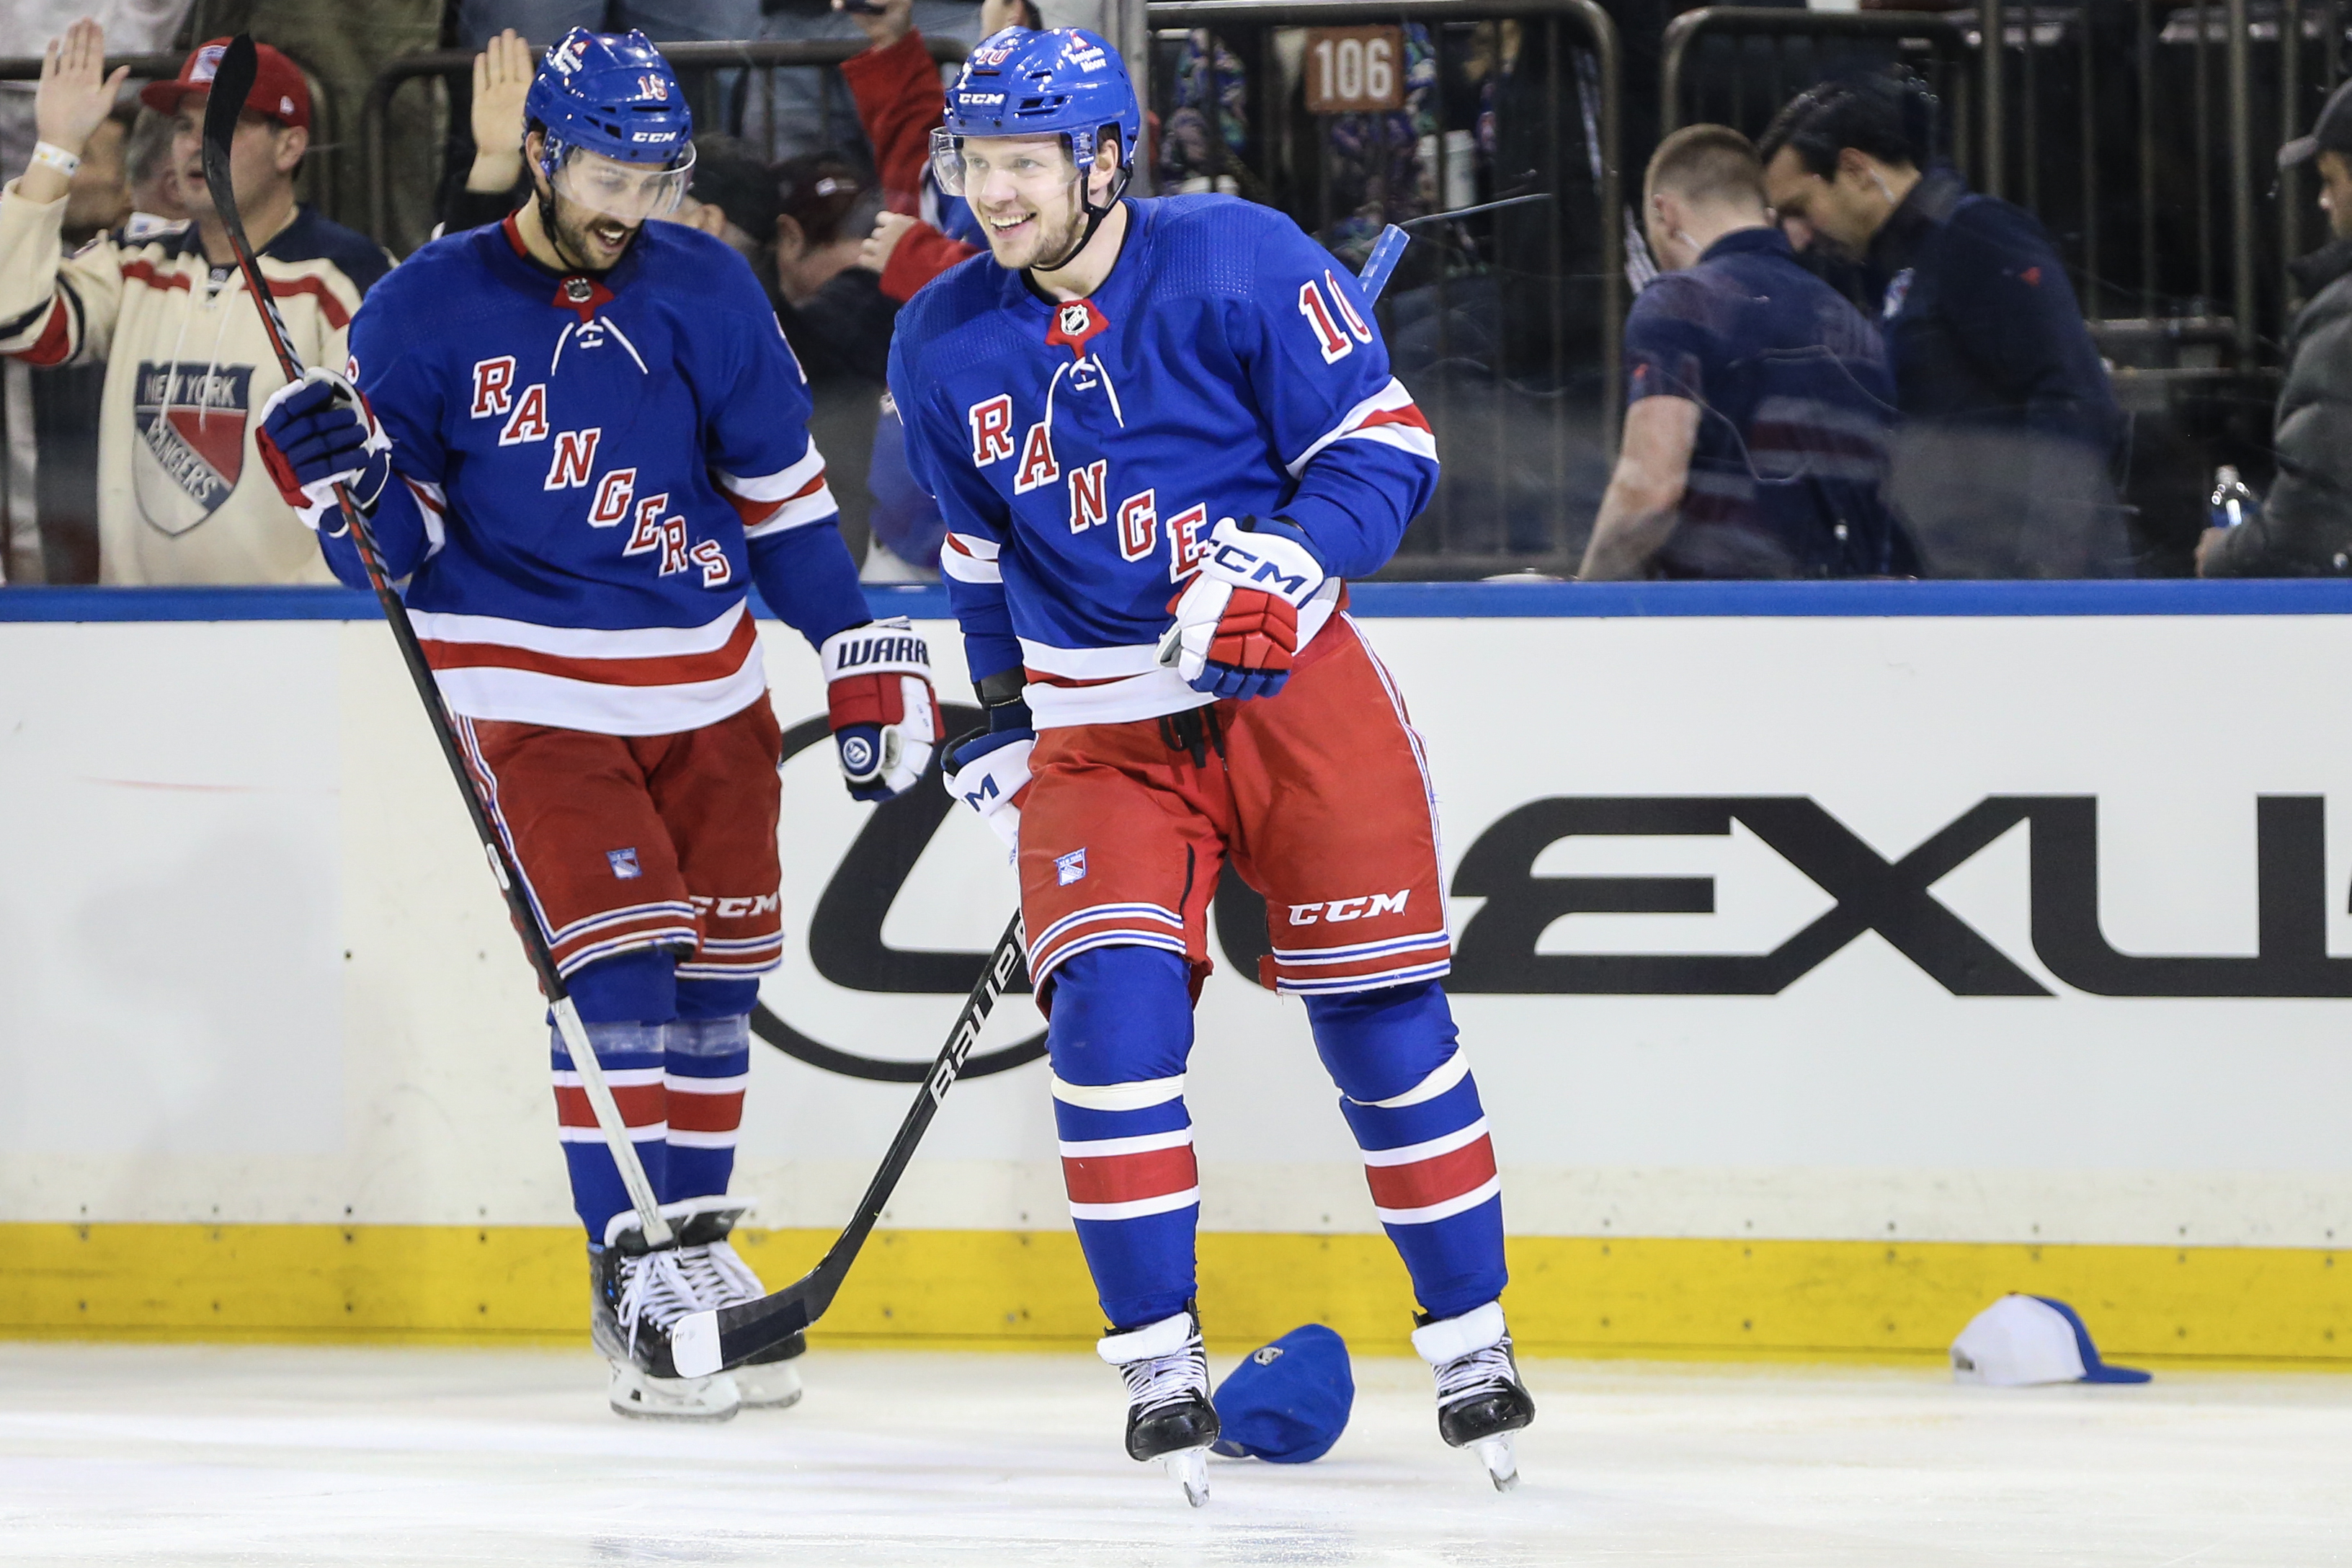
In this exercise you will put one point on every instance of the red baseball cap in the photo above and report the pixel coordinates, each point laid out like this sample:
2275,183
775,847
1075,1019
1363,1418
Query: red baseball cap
278,91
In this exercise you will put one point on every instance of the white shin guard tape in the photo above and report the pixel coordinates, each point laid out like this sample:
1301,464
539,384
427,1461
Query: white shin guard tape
1165,1337
1451,1339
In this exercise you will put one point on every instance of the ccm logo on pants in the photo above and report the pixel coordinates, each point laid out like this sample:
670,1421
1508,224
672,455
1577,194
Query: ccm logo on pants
1356,909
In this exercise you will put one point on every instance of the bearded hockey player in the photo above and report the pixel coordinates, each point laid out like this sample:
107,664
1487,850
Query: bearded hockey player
1135,409
582,437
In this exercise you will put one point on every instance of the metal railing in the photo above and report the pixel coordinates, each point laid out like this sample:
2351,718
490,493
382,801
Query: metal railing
321,165
698,63
1482,327
1941,39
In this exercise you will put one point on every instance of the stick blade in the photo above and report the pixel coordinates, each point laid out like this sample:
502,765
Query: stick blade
694,1343
1387,251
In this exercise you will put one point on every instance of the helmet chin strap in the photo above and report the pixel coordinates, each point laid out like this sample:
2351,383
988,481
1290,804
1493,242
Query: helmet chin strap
1095,219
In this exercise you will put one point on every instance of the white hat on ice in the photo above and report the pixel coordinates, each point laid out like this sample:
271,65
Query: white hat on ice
2021,1340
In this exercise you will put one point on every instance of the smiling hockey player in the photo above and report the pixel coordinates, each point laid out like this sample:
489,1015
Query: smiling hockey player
1132,408
582,436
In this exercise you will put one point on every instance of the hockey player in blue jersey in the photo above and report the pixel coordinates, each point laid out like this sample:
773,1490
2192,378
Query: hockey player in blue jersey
582,436
1162,435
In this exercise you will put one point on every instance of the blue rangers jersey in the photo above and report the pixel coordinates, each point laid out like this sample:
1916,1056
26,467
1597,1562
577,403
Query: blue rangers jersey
589,472
1081,452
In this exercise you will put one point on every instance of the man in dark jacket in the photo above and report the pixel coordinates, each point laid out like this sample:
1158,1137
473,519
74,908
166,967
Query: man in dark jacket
2003,466
1759,402
2305,526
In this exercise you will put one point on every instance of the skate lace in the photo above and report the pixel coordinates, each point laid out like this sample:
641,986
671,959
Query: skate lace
655,1291
1480,1373
1164,1380
719,1274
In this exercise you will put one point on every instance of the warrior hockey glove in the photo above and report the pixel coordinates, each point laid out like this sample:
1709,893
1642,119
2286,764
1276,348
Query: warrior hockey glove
988,770
316,432
885,717
1238,622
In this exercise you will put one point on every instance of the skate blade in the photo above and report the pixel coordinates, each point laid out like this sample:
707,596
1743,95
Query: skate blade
768,1385
1188,1468
1498,1455
642,1398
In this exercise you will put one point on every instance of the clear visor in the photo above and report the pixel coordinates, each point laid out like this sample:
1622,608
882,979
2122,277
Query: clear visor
1033,162
626,192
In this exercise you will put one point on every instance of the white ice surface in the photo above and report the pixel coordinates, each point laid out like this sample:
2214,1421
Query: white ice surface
208,1455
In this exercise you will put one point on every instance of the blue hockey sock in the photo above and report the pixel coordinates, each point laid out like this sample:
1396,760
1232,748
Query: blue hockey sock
1406,1090
708,1065
1121,1030
631,1055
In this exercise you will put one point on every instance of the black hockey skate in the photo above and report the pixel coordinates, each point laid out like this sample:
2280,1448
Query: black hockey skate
1169,1416
1480,1399
637,1294
767,1380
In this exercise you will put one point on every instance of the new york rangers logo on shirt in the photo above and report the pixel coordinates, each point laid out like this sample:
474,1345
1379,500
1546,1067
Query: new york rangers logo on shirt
191,418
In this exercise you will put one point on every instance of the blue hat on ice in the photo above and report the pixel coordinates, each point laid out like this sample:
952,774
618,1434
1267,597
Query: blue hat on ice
1288,1400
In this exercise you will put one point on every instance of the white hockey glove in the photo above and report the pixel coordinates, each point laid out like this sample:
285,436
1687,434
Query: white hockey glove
316,432
991,773
1237,621
885,715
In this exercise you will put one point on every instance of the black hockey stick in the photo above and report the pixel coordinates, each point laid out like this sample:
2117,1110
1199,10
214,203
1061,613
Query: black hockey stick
704,1342
232,82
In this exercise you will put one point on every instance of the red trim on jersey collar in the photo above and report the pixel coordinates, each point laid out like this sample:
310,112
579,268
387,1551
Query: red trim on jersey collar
583,294
1075,323
575,291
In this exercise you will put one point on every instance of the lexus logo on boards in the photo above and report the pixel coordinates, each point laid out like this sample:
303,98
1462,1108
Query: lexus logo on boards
1495,949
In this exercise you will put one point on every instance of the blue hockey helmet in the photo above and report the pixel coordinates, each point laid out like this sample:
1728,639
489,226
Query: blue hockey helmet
1021,82
611,94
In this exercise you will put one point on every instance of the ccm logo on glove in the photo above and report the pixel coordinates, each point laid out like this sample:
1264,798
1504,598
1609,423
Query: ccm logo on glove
1236,626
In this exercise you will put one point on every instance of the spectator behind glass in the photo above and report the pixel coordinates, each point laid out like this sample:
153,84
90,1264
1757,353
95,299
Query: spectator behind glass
806,111
157,202
65,399
182,496
2303,528
922,233
1755,439
897,89
98,197
2010,433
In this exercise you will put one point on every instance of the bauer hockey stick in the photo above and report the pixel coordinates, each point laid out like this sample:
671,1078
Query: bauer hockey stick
707,1342
704,1342
232,82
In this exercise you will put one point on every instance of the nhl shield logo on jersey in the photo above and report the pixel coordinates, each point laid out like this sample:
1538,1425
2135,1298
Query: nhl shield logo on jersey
1075,324
190,420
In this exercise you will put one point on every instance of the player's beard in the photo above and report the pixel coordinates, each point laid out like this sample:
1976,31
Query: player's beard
569,228
1045,250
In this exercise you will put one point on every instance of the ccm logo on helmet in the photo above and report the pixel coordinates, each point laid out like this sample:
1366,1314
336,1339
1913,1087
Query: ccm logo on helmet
1356,909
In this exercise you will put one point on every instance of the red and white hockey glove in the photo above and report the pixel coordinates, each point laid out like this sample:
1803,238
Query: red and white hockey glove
885,715
1236,626
316,432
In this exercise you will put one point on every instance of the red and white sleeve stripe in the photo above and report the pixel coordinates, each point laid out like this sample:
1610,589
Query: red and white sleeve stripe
1389,416
790,498
969,558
